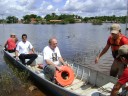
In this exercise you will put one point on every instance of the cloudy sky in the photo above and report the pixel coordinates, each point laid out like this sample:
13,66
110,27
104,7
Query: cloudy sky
84,8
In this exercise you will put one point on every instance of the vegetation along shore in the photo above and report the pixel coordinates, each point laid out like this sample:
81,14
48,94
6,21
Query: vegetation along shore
53,18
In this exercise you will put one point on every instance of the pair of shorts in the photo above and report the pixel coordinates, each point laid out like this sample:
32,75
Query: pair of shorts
124,77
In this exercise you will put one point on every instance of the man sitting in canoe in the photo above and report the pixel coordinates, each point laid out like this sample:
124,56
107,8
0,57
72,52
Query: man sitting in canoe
25,50
52,58
123,79
10,44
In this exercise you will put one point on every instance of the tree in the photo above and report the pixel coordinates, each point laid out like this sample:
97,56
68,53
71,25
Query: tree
39,19
52,16
12,19
28,18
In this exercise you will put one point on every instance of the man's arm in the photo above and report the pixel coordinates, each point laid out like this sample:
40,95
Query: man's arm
62,60
102,53
115,89
33,50
16,54
51,63
5,45
16,39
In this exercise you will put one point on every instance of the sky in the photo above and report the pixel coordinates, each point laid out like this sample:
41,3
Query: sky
83,8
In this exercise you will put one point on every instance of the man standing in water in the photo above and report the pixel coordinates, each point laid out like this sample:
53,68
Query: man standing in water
115,40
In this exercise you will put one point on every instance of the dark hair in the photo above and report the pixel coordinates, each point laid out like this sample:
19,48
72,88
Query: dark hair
49,41
24,35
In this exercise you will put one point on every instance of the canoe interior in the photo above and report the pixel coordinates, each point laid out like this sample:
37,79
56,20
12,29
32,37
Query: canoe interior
87,82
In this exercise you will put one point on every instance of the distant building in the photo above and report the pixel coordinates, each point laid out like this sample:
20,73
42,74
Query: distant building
33,21
78,20
55,20
20,21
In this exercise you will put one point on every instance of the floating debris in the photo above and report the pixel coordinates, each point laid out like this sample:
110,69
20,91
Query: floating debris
31,88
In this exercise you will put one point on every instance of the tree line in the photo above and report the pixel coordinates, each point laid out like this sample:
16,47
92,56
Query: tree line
62,19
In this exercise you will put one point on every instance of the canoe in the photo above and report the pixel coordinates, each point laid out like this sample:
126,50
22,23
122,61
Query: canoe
87,82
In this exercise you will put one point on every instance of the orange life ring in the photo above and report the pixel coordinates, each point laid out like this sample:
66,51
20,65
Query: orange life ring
64,77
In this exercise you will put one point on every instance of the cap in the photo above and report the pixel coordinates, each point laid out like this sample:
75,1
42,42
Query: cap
12,34
122,50
115,28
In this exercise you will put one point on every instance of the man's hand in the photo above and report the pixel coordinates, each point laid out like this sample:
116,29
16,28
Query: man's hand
66,64
17,58
58,68
97,60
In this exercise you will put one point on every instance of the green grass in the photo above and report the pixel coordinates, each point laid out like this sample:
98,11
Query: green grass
12,80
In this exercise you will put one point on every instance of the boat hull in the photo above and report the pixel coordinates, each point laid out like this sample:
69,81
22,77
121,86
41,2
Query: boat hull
88,82
55,89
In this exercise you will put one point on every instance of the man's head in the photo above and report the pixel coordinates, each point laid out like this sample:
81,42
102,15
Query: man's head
115,30
123,52
24,37
53,43
12,35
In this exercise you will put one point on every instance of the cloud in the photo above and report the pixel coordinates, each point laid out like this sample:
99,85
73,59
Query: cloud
22,2
57,1
83,8
95,7
50,7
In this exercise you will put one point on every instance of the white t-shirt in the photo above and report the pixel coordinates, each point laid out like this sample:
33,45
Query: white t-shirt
52,55
24,47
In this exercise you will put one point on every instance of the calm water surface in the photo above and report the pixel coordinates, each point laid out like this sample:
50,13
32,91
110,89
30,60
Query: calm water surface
79,43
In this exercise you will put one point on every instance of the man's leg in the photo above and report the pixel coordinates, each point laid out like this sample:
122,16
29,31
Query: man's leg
22,58
50,71
121,68
32,57
114,69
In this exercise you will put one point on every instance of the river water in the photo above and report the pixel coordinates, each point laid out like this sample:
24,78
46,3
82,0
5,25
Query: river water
78,43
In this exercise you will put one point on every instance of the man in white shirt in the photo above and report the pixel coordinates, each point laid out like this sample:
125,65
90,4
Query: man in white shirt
25,50
52,58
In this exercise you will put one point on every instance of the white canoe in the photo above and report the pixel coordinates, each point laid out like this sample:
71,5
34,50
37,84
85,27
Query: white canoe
87,82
